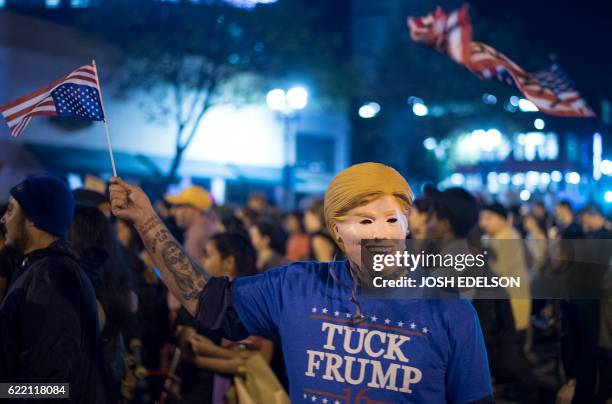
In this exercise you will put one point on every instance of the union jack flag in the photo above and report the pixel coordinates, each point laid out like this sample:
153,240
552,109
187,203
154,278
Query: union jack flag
74,95
549,89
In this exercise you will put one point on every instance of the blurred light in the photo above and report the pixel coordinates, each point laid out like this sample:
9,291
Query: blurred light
420,109
415,100
518,179
545,178
492,177
297,98
486,141
430,143
478,132
533,177
52,3
2,3
74,181
525,195
489,99
504,178
457,179
79,3
606,167
527,106
369,110
572,178
217,189
608,196
539,124
597,149
514,101
276,100
248,3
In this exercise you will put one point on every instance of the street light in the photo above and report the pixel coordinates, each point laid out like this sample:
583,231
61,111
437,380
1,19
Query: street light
287,105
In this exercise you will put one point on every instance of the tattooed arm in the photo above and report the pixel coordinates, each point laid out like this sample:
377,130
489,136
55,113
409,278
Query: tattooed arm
183,277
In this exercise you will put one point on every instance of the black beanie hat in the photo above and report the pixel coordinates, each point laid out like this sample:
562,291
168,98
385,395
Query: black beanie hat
47,202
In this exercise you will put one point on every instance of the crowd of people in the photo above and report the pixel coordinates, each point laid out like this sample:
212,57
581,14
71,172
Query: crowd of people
84,299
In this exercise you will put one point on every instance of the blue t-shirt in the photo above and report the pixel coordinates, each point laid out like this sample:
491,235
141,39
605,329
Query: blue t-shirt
405,351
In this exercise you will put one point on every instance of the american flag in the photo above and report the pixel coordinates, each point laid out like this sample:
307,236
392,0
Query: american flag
76,95
550,89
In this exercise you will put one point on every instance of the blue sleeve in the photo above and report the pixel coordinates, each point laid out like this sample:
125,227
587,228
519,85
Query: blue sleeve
258,302
468,379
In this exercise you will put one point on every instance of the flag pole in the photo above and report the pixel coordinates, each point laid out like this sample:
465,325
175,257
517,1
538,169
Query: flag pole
108,141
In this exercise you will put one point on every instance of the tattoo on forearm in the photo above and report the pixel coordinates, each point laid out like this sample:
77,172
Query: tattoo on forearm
149,224
188,276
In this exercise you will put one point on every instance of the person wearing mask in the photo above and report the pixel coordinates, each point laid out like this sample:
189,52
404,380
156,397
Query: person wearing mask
270,242
49,329
338,341
322,245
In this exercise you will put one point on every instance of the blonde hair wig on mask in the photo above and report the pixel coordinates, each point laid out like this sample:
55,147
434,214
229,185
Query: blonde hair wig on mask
359,185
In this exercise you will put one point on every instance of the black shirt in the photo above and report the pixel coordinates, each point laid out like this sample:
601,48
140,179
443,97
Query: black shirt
49,325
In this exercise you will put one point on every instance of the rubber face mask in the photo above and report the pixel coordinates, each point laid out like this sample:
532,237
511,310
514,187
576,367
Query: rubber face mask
381,219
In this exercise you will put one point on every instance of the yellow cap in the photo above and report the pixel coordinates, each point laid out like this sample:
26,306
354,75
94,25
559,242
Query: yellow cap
195,196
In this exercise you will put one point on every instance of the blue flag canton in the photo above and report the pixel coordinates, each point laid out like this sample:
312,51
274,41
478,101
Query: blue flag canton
79,101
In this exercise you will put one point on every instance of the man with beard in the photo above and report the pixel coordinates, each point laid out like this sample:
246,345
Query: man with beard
48,320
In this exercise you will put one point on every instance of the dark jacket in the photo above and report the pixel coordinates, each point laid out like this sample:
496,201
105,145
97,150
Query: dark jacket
49,325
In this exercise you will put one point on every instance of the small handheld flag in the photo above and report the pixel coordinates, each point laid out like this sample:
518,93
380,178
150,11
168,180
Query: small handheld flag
75,95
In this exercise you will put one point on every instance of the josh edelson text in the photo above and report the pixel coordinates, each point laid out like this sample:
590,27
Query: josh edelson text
437,262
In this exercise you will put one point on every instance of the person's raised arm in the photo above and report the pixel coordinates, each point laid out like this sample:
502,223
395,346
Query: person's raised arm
183,276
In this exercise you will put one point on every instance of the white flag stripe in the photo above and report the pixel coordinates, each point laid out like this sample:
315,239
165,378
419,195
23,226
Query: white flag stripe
37,109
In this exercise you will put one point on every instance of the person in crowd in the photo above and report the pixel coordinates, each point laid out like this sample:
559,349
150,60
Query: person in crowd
258,203
417,222
322,245
428,350
270,242
536,239
298,243
94,199
93,237
566,225
8,260
229,222
230,255
540,214
247,216
580,317
507,246
49,327
454,216
191,212
595,225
